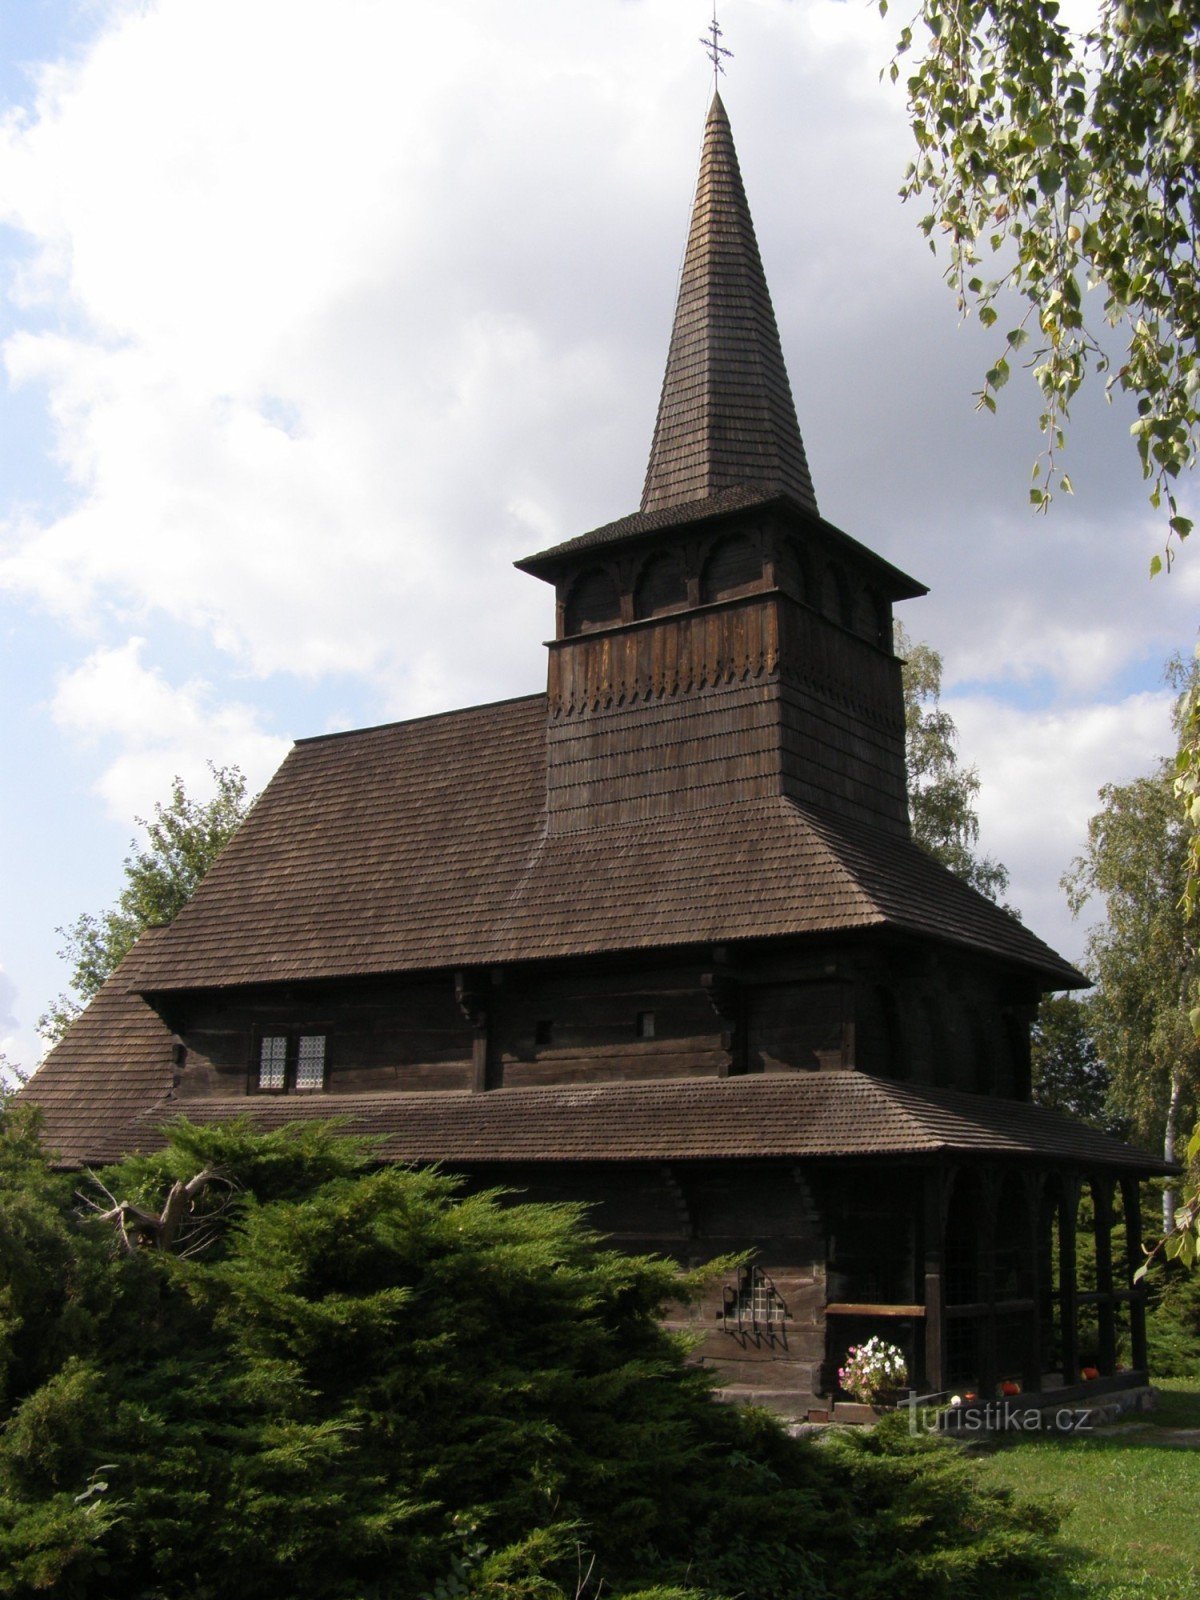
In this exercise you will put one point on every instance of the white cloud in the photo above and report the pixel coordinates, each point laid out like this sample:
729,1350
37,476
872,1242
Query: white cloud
440,280
158,730
1040,773
338,306
8,1018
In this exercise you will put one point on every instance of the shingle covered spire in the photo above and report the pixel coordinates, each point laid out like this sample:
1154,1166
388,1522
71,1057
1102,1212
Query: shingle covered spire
726,416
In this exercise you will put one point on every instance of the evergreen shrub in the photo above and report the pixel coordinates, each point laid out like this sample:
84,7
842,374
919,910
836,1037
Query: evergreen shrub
362,1383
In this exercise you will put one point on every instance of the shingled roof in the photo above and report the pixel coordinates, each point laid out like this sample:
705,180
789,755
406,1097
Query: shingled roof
106,1090
801,1114
751,497
116,1061
726,416
423,844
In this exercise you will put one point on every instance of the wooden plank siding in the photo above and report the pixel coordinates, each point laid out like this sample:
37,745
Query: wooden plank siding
885,1012
694,1213
730,701
411,1036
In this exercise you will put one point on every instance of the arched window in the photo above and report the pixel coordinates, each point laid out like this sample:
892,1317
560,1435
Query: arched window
734,567
835,600
883,624
866,617
1014,1260
795,573
871,618
661,586
593,602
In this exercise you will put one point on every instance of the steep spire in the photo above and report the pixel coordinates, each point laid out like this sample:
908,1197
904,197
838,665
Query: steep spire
725,417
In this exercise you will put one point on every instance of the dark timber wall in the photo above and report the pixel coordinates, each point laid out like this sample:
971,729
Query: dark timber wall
718,670
899,1013
693,1213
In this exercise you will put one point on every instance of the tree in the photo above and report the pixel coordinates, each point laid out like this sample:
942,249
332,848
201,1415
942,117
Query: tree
12,1076
1066,161
1145,956
183,839
373,1384
1069,1073
941,794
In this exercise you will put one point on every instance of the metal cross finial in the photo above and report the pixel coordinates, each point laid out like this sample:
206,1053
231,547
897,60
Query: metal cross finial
713,46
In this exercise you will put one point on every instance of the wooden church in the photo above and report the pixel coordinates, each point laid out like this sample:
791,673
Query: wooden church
660,940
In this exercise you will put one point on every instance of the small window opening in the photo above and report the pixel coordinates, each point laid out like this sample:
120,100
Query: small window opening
543,1032
272,1062
310,1061
291,1061
645,1024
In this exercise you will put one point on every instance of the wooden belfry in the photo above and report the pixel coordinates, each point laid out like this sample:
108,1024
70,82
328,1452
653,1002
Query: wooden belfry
660,940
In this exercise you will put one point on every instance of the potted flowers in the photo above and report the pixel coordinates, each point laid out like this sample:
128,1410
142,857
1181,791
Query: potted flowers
875,1373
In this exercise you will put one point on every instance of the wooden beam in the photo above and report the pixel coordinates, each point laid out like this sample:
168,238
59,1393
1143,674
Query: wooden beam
1102,1198
989,1375
1068,1287
479,1058
1033,1365
935,1292
849,1308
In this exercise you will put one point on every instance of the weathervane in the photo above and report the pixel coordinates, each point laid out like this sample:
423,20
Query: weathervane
713,46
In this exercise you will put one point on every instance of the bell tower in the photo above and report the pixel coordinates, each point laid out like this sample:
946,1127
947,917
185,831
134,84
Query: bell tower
724,643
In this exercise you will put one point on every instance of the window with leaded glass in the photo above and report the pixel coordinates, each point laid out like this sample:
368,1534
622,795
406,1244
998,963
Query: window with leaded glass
291,1061
310,1061
272,1062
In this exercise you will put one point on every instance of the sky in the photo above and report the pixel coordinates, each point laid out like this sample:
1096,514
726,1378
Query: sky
317,314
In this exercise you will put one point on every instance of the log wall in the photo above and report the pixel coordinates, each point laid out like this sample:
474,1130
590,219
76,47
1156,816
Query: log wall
911,1017
694,1213
732,701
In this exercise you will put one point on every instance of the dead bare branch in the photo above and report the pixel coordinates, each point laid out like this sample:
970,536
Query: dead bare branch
179,1226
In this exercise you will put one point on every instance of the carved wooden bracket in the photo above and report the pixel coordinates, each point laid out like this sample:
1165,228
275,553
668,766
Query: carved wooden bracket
724,995
471,999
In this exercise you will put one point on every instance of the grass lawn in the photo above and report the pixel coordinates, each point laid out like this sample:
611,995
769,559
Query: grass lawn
1130,1494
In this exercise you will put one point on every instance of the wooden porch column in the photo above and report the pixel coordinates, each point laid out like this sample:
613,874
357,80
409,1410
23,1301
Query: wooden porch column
471,997
728,1000
1132,1200
935,1295
989,1375
1102,1198
479,1057
1067,1282
1033,1364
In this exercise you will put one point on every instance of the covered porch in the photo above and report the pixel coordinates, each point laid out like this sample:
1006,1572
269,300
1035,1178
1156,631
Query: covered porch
993,1276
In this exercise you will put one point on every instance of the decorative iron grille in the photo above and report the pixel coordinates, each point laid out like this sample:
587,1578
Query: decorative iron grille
753,1304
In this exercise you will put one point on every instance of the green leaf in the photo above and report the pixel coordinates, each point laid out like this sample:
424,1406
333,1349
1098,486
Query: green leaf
1156,566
